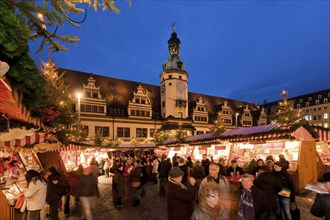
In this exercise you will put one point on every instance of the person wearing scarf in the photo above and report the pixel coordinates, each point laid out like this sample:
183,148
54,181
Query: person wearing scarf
179,197
253,203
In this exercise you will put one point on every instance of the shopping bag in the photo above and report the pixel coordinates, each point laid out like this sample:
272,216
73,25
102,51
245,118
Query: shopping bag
285,192
317,207
295,212
20,201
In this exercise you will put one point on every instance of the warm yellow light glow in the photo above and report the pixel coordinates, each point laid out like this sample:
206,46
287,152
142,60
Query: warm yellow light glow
40,15
78,94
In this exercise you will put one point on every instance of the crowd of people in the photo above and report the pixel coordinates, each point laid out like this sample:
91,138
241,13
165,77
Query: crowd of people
197,190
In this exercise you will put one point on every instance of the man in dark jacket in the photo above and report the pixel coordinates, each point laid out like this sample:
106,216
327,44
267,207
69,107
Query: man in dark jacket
179,197
206,163
165,168
253,203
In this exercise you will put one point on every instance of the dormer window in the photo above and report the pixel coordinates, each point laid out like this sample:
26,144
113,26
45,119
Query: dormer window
319,96
309,98
180,77
137,101
143,101
300,100
317,102
307,104
179,64
325,100
170,76
298,105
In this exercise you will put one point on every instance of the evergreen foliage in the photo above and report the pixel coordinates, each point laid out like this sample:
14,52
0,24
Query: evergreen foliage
218,128
286,113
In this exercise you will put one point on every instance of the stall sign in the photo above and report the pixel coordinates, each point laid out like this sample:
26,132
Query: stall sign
220,147
177,149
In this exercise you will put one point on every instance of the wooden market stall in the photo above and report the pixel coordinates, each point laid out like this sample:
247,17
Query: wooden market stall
244,144
323,150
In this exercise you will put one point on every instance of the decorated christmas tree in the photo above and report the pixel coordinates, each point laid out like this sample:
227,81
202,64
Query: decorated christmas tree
286,113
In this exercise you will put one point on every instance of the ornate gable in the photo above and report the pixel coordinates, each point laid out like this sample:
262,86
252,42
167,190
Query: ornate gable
200,112
140,105
263,117
91,100
246,119
225,114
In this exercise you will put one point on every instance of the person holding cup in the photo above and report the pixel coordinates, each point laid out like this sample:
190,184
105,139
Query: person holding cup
234,170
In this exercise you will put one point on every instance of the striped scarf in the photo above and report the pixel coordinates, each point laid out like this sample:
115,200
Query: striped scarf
245,207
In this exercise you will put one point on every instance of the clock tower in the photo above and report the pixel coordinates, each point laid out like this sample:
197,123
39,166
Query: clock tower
174,82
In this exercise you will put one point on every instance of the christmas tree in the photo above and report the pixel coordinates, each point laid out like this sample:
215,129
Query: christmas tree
286,113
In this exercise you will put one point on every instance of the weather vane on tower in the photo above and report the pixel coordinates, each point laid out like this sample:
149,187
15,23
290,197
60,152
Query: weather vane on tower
173,27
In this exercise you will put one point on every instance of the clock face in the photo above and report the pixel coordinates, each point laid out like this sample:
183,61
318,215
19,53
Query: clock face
180,92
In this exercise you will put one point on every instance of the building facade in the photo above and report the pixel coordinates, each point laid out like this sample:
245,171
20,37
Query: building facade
313,107
132,112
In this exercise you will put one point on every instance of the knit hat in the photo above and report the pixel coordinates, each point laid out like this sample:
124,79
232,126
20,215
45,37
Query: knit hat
175,172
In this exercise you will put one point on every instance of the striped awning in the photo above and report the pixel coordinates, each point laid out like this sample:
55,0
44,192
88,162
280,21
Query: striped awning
21,137
324,135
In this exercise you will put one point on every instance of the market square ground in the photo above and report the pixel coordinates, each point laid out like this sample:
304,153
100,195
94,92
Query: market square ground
153,206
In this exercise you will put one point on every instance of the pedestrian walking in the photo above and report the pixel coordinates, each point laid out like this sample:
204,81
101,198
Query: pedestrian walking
179,197
253,203
223,184
208,207
87,192
119,180
35,195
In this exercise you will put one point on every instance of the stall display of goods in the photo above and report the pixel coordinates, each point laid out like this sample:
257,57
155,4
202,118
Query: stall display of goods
244,152
324,152
30,161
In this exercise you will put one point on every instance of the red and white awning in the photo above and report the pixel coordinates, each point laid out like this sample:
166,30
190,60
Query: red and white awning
20,137
324,135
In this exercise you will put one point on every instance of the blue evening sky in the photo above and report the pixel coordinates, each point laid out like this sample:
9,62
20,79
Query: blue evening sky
245,50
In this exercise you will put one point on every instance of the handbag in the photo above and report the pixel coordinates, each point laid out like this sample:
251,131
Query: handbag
294,211
20,201
317,207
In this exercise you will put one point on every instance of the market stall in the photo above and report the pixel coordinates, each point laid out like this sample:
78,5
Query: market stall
245,144
323,150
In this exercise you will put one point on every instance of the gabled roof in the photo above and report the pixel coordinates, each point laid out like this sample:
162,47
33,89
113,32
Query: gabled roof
118,92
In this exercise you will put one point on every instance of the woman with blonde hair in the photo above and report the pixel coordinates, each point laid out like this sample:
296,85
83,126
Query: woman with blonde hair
209,206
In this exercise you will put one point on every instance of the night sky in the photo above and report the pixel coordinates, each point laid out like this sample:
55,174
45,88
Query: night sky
245,50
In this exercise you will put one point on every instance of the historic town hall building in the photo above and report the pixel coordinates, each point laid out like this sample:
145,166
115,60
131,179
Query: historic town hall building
132,111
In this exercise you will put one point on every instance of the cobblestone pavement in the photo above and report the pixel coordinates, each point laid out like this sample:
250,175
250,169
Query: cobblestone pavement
153,206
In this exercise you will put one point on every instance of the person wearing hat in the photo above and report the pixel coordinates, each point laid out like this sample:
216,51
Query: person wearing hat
234,169
179,197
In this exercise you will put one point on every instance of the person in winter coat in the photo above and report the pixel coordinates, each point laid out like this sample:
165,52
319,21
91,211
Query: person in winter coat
135,181
198,173
87,192
269,185
234,169
223,184
53,197
119,180
165,168
253,203
209,206
283,202
35,195
179,197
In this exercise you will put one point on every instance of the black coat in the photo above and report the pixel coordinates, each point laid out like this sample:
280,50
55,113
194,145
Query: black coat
286,181
270,186
119,182
165,169
180,202
238,169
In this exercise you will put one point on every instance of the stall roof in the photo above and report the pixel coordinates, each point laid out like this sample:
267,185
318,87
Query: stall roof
251,130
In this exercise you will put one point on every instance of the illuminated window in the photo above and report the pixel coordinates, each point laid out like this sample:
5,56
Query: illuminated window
325,116
326,125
